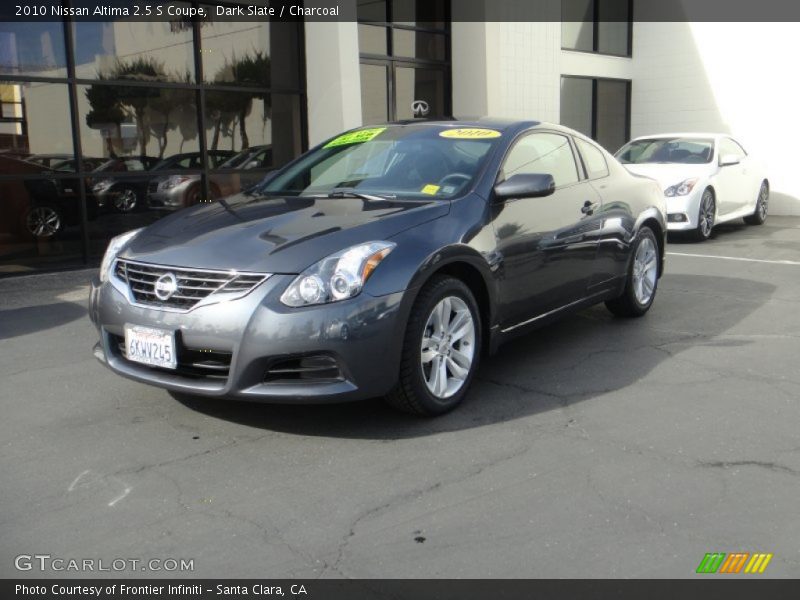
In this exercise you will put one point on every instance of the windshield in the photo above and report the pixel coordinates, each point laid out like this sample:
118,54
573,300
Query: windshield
408,160
667,150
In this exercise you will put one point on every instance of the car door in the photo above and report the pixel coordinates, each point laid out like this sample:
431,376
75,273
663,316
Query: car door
733,182
546,243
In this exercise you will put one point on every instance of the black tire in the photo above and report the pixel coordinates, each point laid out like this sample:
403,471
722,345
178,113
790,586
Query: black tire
762,206
43,221
706,216
126,199
192,195
412,394
629,304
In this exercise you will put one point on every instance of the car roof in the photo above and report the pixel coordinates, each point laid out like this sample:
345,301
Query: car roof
504,125
689,135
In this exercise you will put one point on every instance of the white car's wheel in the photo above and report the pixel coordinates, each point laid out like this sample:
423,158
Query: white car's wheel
762,205
706,216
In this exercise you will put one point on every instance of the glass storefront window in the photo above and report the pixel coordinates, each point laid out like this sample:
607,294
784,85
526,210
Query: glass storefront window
32,49
40,213
151,52
598,108
278,142
431,14
251,54
576,104
374,94
372,10
415,85
372,39
408,77
138,120
595,26
139,125
237,120
419,44
613,112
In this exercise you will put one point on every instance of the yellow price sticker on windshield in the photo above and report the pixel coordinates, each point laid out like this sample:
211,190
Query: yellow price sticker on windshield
356,137
430,189
470,134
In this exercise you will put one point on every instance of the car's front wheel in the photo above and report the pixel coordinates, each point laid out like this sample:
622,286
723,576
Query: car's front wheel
706,216
126,200
642,281
441,349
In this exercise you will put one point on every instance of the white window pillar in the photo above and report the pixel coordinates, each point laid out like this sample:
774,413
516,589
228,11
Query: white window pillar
333,81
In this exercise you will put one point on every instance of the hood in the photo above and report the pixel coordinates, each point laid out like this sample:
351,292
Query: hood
274,235
668,174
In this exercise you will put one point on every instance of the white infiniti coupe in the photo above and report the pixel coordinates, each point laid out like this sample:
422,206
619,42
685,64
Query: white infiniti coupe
707,178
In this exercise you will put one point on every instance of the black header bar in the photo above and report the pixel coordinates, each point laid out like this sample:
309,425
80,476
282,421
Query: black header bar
419,12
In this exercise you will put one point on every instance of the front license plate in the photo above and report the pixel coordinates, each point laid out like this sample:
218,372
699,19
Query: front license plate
154,347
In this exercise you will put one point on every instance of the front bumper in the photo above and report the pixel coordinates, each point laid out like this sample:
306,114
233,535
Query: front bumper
362,335
685,208
167,200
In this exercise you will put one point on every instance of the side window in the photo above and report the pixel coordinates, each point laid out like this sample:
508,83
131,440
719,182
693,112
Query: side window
593,158
543,153
728,146
133,164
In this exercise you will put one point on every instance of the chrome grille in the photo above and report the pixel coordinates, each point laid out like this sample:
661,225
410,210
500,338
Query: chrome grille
193,285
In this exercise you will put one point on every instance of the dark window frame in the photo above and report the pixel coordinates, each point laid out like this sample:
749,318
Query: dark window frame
392,62
628,90
596,31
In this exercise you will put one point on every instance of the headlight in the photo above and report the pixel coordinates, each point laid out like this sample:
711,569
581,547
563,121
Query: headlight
337,277
173,181
681,189
115,247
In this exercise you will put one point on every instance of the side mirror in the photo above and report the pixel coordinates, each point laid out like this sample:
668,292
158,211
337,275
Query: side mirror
533,185
726,160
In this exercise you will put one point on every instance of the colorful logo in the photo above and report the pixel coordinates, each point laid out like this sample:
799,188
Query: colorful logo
735,562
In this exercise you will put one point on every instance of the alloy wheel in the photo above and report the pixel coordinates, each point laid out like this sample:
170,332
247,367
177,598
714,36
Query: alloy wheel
448,347
645,271
125,201
763,201
707,210
43,221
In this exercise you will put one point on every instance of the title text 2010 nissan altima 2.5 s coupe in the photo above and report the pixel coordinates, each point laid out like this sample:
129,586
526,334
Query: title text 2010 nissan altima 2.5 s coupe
383,262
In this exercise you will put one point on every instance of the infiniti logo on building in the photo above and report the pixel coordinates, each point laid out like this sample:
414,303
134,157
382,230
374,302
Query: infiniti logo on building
420,108
165,286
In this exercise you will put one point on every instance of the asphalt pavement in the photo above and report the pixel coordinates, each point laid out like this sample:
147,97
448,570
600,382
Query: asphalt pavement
596,447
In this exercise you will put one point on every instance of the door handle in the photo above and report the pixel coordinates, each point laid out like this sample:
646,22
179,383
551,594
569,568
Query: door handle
589,207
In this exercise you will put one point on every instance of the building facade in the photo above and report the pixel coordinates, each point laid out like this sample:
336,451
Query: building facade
168,114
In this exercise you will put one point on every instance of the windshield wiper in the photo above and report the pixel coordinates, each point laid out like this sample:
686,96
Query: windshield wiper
350,193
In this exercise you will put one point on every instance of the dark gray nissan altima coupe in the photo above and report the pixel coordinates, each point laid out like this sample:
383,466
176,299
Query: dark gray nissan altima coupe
384,262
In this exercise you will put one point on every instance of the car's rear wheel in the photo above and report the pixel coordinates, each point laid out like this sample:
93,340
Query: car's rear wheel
43,221
762,205
441,349
642,281
706,216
